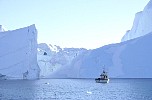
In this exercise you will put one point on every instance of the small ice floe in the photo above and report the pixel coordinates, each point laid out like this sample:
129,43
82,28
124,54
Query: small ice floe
89,92
47,83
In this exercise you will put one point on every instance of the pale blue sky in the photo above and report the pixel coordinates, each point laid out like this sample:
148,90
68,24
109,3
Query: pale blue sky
72,23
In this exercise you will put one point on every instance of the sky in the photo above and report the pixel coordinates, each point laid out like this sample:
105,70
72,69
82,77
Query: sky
72,23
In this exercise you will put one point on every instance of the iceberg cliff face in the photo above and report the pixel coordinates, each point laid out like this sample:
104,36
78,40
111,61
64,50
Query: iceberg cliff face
142,23
18,53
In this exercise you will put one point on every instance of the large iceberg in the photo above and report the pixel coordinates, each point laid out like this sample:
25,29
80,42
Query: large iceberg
18,53
130,59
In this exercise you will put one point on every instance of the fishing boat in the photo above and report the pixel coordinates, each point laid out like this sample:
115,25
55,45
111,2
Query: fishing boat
103,78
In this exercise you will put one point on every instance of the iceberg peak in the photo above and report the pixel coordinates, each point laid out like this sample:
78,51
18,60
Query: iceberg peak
142,23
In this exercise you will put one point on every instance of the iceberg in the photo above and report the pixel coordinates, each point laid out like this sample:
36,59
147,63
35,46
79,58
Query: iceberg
142,23
18,53
53,59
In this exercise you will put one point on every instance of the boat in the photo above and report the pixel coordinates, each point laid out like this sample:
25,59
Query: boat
103,78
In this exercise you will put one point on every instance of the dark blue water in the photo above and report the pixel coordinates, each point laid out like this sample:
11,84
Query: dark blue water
76,89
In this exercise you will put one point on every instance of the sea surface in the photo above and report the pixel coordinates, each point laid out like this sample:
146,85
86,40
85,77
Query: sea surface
76,89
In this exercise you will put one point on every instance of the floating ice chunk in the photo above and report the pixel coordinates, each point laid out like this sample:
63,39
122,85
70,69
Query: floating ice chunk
89,92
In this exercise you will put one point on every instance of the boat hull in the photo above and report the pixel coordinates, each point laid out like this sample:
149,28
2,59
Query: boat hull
99,80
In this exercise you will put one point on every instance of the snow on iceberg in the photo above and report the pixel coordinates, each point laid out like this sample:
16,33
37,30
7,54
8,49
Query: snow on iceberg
18,53
142,24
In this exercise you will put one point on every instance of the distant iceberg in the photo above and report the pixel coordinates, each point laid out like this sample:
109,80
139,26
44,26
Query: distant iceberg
53,59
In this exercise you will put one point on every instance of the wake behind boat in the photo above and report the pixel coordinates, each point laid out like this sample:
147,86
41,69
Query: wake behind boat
103,78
